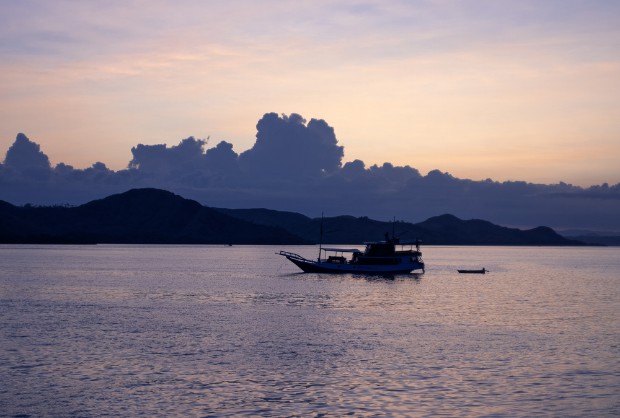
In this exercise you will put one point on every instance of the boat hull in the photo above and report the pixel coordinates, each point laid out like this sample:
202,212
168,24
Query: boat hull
309,266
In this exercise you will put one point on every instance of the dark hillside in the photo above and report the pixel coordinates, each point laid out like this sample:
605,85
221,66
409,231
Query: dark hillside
448,229
137,216
438,230
152,216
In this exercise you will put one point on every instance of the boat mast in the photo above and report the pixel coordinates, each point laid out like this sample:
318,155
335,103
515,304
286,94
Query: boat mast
394,229
320,238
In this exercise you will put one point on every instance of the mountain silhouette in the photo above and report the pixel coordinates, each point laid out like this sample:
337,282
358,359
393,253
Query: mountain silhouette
145,216
153,216
438,230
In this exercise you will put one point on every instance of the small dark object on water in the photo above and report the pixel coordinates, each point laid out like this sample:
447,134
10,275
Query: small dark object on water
481,271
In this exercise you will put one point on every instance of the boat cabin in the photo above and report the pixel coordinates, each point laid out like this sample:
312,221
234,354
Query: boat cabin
380,249
338,259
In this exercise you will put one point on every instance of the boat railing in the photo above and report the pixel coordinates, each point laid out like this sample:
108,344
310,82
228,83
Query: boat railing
293,256
412,253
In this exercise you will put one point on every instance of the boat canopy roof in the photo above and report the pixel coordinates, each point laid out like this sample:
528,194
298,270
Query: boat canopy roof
342,250
417,242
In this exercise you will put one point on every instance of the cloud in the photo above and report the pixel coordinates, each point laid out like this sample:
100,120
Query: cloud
163,161
24,155
297,165
288,146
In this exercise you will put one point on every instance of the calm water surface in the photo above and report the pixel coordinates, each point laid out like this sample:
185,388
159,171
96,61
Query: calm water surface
230,331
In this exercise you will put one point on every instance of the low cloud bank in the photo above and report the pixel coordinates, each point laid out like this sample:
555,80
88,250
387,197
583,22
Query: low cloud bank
297,165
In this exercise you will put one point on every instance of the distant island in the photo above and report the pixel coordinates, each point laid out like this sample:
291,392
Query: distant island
153,216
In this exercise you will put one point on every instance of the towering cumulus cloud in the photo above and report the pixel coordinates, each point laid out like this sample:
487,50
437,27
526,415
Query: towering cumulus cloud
287,147
26,158
297,165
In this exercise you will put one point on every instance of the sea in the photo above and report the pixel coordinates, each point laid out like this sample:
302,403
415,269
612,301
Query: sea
217,331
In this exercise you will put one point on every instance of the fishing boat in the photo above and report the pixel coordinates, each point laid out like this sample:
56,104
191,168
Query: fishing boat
480,271
380,257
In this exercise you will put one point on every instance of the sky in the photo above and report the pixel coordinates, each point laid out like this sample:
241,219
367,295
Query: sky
506,90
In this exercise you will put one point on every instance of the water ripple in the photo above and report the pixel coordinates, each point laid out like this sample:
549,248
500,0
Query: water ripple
151,331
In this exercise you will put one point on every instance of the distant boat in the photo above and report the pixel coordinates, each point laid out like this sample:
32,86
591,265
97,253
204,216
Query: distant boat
378,258
481,271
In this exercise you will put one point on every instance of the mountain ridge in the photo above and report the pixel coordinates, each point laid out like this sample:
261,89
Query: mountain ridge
443,229
138,216
155,216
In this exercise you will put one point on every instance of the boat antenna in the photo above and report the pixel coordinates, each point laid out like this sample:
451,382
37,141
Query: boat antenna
320,238
394,229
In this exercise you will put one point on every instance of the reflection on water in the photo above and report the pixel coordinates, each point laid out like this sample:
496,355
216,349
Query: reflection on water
205,330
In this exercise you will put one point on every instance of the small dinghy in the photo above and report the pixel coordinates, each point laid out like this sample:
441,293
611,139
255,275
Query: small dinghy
481,271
